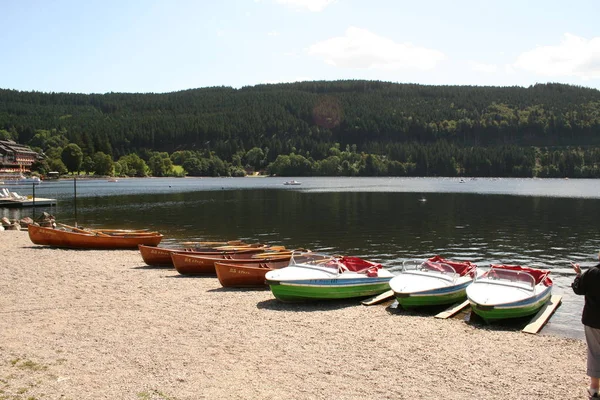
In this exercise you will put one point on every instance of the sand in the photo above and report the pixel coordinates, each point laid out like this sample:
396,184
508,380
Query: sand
87,324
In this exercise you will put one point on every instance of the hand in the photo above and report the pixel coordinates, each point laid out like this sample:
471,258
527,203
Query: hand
576,268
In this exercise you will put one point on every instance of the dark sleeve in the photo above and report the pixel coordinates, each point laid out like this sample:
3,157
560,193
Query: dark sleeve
577,285
588,280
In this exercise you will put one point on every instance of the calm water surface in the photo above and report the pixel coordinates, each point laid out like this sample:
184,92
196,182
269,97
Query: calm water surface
536,222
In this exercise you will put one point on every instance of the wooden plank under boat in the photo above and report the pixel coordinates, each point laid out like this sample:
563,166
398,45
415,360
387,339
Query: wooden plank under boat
241,273
189,263
62,238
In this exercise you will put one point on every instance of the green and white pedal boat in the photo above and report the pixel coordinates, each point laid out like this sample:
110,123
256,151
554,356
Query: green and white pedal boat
313,276
509,291
436,281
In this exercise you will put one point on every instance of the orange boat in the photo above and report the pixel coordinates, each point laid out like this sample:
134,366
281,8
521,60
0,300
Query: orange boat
246,274
158,256
90,240
161,256
192,264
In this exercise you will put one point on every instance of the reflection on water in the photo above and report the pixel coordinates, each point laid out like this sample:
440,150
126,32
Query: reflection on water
384,220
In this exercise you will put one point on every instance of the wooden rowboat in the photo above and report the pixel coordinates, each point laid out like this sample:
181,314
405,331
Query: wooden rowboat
158,256
188,263
240,273
88,240
161,256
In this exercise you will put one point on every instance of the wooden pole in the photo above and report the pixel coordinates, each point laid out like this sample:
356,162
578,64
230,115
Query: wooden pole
33,199
75,197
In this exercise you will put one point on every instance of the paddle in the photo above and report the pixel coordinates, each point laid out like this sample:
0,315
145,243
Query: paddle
74,229
89,232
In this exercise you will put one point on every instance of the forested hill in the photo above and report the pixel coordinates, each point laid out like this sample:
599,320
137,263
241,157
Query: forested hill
308,118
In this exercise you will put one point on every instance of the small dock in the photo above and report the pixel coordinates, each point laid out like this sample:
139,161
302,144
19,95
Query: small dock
20,203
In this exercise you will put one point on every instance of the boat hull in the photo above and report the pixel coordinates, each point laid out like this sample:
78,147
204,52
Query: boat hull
519,309
244,274
321,289
160,256
156,256
192,265
188,263
59,238
449,295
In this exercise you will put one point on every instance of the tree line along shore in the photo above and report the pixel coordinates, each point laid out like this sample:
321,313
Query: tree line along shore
322,128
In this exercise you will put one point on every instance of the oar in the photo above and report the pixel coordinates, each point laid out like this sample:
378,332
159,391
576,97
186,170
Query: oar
109,232
74,229
277,248
125,233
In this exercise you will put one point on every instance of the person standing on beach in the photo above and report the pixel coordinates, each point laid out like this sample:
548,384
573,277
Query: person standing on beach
588,284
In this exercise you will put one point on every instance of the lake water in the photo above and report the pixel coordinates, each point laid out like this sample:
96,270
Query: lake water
535,222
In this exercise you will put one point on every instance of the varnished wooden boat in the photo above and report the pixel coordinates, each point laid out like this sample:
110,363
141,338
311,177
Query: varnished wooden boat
161,256
88,240
244,274
193,264
158,256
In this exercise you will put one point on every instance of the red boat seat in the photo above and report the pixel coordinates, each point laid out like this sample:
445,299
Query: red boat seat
462,268
540,275
360,266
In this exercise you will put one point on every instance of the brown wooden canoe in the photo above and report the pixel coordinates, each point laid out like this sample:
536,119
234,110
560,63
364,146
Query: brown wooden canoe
246,274
61,238
192,264
161,256
157,256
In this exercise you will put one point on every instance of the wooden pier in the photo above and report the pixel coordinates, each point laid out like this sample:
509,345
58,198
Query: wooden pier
28,202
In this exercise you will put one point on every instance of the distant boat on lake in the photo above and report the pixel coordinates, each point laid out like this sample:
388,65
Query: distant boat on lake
292,182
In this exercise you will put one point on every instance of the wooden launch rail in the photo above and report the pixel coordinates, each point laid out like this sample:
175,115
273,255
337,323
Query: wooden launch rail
455,309
379,298
543,315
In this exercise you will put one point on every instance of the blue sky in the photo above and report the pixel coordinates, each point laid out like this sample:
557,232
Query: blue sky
91,46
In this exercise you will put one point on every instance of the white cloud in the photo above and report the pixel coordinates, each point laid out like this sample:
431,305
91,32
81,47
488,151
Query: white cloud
574,56
311,5
273,33
481,67
360,48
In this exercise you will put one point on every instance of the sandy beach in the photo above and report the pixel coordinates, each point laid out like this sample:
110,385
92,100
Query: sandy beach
87,324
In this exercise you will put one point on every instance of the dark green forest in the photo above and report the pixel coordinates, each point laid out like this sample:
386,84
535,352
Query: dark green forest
366,128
